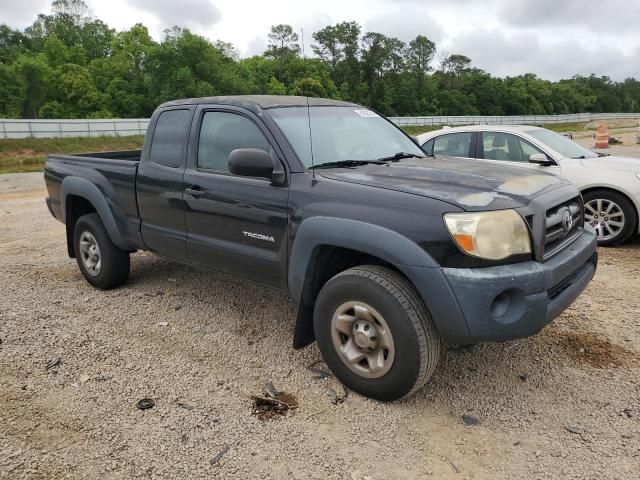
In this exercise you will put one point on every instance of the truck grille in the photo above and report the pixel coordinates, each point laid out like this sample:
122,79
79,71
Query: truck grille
560,231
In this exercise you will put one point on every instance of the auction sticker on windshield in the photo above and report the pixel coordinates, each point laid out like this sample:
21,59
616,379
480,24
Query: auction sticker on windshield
366,113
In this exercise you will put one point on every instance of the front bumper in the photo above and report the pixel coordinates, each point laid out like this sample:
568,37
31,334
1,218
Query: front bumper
508,301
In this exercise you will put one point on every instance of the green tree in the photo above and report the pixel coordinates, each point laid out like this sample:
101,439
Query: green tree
35,75
69,63
309,87
375,54
11,92
454,64
419,57
338,47
12,43
283,42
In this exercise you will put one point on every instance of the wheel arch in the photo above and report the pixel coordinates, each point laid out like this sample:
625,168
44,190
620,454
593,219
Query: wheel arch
78,197
324,246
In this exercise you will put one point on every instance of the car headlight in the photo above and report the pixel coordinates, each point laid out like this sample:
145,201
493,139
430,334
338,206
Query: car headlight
490,235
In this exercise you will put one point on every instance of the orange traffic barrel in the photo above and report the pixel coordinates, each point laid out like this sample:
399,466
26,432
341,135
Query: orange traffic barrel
602,136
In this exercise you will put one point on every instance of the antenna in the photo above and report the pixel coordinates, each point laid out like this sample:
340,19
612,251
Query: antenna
313,171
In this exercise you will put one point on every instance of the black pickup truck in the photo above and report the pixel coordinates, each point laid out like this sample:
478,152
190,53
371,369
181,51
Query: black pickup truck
387,252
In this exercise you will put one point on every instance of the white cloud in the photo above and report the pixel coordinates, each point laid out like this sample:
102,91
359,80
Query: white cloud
406,24
549,58
20,14
255,46
612,15
187,13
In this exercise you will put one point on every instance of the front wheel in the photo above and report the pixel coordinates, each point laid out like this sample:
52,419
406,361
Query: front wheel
612,216
375,333
101,262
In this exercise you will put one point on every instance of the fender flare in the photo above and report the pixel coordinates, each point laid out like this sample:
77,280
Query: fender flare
87,190
380,242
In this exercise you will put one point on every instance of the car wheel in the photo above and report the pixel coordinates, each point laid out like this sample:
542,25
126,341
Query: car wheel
612,216
101,262
375,333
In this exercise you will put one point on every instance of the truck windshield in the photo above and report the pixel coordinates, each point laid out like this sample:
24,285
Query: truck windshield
561,144
334,134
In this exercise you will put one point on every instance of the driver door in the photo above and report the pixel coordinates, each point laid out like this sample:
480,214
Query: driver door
236,225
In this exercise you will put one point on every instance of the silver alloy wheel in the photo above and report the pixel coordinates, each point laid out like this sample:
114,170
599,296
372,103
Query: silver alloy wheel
90,253
605,216
362,339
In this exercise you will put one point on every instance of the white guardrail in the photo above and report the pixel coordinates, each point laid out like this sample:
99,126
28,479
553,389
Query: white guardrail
510,119
138,126
112,127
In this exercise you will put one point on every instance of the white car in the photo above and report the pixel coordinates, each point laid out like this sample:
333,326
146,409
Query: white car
610,185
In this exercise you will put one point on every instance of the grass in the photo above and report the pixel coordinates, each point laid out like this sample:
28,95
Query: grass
29,154
567,127
411,130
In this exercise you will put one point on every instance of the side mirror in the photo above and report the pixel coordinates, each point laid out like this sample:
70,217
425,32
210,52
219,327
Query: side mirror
540,159
415,140
254,162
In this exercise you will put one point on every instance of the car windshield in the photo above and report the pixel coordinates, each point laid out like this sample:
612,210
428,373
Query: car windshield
561,144
334,134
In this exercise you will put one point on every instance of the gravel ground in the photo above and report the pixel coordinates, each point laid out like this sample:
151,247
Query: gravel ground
562,404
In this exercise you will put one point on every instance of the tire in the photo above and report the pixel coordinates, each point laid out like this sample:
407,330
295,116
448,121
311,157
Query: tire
608,233
111,269
392,307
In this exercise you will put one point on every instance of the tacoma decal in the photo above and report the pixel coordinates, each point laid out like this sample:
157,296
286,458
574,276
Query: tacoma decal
259,236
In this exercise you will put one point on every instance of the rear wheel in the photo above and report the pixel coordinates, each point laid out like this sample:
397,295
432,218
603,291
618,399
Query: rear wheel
375,333
101,262
612,216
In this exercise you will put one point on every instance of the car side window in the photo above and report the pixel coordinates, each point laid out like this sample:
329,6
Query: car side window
528,149
170,137
428,147
506,147
223,132
453,144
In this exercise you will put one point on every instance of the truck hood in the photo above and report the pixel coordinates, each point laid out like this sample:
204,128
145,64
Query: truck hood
467,184
625,164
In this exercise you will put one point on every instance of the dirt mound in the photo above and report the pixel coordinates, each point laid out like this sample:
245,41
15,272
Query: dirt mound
595,350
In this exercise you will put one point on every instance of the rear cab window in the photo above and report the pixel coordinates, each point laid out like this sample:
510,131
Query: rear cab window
169,141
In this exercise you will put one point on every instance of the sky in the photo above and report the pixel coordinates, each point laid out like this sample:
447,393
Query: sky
552,38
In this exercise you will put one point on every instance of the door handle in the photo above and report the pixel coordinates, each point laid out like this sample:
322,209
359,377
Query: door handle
194,191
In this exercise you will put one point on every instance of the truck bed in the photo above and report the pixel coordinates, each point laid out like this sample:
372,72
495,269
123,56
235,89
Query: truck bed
129,155
113,174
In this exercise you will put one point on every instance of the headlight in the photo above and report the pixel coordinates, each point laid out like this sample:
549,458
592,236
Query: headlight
638,175
491,235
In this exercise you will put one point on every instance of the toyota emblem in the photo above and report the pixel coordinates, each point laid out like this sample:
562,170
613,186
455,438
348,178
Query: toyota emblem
567,221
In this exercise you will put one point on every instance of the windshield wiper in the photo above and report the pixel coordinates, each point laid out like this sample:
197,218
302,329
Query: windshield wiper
345,164
355,163
400,156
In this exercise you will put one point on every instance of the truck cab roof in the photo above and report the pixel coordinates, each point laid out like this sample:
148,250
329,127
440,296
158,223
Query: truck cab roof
256,102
